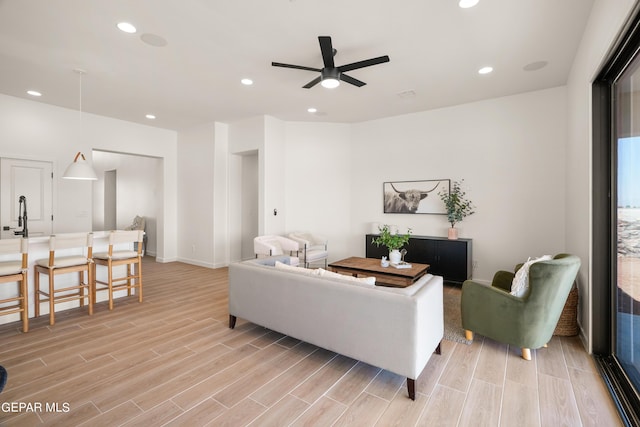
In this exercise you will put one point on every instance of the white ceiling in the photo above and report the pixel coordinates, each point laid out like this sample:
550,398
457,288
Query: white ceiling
435,49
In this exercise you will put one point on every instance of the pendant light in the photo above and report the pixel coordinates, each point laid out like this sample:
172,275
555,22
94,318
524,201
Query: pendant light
80,169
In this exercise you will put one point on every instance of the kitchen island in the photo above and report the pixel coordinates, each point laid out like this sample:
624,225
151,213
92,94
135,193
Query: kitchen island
39,249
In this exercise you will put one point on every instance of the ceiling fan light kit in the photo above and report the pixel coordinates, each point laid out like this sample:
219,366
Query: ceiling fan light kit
330,75
330,78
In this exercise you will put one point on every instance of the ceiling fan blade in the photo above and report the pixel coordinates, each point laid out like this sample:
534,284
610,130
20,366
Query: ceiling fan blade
362,64
327,51
351,80
297,67
312,83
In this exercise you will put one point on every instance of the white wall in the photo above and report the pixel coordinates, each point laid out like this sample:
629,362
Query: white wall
511,153
606,20
33,130
221,247
318,182
196,148
272,159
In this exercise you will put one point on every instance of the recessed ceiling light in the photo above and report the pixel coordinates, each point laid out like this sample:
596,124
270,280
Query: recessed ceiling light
126,27
34,93
246,82
312,110
150,116
466,4
485,70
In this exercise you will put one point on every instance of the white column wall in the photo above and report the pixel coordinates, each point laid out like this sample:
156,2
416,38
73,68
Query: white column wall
196,148
318,182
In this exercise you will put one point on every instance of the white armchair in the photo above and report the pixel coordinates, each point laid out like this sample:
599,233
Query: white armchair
271,245
313,248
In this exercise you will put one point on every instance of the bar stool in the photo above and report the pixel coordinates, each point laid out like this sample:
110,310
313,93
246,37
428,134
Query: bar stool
114,258
15,272
55,265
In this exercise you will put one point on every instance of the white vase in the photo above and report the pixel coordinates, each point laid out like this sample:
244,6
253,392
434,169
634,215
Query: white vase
394,256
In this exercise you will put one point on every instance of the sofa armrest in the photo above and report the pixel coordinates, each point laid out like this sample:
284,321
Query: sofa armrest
263,248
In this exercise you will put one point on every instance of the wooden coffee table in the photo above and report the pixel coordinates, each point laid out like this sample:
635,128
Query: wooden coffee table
386,276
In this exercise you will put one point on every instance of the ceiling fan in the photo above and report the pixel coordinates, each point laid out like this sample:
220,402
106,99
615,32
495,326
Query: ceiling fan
331,75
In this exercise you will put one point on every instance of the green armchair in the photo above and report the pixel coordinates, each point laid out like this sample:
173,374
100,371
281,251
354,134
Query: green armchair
526,322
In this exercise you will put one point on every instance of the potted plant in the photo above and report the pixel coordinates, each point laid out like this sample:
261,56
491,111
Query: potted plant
457,205
393,242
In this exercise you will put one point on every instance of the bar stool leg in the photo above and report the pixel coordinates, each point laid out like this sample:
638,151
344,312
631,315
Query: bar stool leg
25,304
90,289
139,280
36,282
129,280
81,290
52,302
109,279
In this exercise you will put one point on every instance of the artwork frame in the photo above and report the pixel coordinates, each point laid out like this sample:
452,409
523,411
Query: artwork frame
415,197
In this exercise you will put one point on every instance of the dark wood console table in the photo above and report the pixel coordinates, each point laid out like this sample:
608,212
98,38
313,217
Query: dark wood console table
451,259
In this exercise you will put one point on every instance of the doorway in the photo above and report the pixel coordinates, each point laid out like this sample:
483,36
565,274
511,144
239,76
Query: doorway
244,195
249,203
128,185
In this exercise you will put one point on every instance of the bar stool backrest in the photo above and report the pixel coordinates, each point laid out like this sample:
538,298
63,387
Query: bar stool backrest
125,236
69,241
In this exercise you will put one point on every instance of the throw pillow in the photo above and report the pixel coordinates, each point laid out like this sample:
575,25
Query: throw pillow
520,283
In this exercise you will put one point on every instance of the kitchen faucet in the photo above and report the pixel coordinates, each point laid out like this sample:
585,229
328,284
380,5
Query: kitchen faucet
22,218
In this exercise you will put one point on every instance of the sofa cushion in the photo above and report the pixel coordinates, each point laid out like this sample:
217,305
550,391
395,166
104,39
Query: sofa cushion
300,270
369,282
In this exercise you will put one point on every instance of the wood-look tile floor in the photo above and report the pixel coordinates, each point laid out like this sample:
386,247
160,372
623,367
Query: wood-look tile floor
172,360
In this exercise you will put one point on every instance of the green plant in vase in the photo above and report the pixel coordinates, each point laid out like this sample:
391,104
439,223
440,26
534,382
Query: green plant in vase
393,242
457,206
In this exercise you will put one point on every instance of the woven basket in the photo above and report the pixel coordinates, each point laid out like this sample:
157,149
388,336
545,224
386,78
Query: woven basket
568,323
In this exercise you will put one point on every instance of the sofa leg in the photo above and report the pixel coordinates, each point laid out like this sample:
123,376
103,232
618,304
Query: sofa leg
411,388
438,348
468,335
232,321
526,354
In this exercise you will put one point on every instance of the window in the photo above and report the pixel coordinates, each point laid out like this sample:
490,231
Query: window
616,223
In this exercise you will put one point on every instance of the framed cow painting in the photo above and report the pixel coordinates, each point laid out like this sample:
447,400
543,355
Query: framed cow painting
415,197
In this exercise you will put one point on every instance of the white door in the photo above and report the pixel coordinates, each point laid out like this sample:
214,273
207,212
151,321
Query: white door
33,180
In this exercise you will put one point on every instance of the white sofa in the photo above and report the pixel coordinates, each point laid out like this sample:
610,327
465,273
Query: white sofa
397,329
